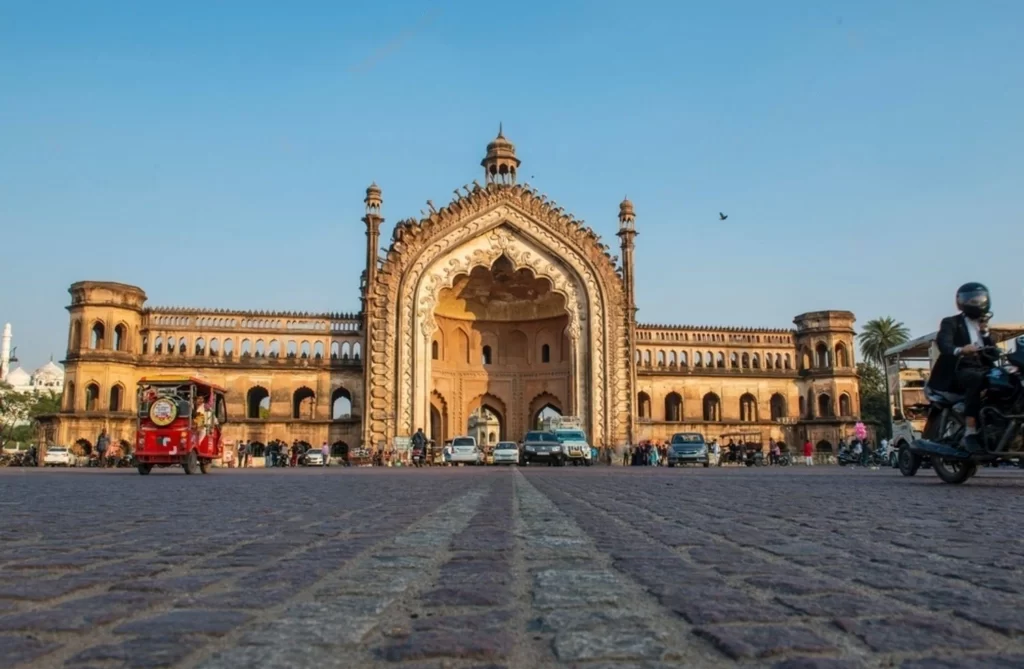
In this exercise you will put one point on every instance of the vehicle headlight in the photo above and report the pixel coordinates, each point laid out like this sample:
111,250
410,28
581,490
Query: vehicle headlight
556,449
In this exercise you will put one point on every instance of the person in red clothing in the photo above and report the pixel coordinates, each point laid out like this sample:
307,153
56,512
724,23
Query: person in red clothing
808,453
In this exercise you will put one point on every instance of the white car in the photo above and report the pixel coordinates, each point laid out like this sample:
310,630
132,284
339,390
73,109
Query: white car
465,451
58,456
506,453
314,458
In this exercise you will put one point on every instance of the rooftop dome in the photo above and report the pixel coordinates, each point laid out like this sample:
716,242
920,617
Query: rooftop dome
49,370
18,377
500,163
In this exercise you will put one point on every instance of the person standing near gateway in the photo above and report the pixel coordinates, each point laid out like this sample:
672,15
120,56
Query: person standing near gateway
326,451
102,444
808,453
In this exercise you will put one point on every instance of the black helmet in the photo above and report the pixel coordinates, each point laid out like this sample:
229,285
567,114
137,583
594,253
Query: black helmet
972,299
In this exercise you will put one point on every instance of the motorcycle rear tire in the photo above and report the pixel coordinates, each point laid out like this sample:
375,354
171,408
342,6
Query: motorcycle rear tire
954,471
145,469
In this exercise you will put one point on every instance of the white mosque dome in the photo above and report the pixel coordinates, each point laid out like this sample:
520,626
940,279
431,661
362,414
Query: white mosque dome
48,376
18,378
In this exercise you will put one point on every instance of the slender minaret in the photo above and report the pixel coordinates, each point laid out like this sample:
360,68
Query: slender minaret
5,352
627,234
373,221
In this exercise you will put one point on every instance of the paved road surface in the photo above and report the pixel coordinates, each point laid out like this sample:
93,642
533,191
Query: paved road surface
602,568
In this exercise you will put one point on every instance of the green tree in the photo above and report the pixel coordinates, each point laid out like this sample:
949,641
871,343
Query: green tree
19,411
878,336
874,406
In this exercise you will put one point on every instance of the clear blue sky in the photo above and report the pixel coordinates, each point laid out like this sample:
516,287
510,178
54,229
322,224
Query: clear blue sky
869,154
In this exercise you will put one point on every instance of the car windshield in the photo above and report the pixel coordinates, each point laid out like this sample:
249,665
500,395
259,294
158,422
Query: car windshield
463,441
58,450
540,436
687,439
505,446
570,435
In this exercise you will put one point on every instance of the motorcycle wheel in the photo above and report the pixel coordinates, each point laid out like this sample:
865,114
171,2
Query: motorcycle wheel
145,469
954,471
908,462
191,464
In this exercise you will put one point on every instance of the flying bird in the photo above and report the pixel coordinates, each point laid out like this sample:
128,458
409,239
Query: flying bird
722,216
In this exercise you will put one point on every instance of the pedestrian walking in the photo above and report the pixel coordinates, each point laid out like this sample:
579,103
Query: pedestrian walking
808,453
326,450
102,444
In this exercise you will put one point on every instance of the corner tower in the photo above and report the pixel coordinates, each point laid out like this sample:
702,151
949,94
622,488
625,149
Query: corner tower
627,237
373,220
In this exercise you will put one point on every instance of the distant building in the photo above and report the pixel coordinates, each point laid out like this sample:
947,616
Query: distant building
48,378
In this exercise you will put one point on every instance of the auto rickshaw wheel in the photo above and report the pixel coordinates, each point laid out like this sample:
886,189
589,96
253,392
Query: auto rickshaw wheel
191,464
145,468
204,466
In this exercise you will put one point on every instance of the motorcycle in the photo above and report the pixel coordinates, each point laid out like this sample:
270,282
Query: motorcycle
847,457
999,421
783,460
417,457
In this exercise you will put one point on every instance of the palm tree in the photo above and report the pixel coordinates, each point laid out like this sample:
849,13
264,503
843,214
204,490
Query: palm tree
879,335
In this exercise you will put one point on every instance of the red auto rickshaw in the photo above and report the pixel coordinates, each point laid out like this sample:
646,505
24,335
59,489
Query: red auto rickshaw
180,422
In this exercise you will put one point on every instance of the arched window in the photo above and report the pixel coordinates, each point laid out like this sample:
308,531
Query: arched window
69,396
661,358
486,357
845,405
672,359
318,350
789,362
356,350
229,347
698,359
214,347
682,358
120,338
158,345
304,403
545,353
734,360
638,358
803,407
274,350
805,359
172,345
341,404
778,407
719,361
748,408
745,361
246,348
257,403
712,407
92,397
842,358
824,406
261,348
116,395
335,350
768,361
200,346
291,350
97,336
182,346
823,359
755,361
647,358
435,353
76,336
304,350
643,405
674,408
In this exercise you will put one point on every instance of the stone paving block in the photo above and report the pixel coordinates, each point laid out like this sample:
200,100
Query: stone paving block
708,604
818,663
184,622
803,584
841,605
755,642
1009,661
912,634
997,615
19,650
143,653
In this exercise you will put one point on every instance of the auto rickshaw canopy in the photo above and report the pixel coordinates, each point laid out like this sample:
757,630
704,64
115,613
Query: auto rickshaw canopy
171,379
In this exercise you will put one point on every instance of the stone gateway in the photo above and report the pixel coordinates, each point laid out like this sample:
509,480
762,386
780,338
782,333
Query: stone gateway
495,310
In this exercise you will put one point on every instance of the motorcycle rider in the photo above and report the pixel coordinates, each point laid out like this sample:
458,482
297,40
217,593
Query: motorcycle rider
960,367
419,444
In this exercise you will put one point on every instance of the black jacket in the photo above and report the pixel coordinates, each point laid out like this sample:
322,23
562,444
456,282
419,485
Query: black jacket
952,335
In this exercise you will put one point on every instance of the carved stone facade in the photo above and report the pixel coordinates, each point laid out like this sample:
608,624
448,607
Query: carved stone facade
498,302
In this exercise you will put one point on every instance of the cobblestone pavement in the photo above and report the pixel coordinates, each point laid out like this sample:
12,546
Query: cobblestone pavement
599,568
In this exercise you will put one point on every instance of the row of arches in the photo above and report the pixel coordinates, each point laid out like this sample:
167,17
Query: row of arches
491,348
825,358
732,337
303,403
812,406
292,349
713,360
98,336
95,399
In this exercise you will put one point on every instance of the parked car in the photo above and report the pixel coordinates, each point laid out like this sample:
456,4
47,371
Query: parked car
465,451
541,446
688,447
506,453
314,457
59,456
